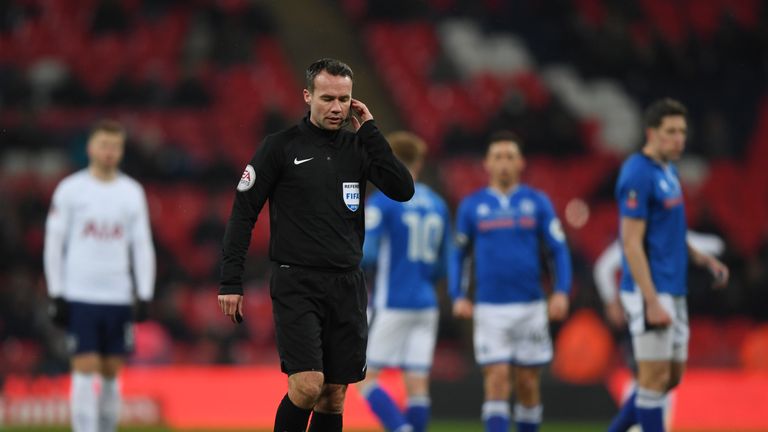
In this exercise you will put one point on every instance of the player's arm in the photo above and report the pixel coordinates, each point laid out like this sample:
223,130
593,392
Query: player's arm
606,266
458,272
715,266
634,192
254,188
383,169
555,238
56,228
374,225
632,237
446,249
143,259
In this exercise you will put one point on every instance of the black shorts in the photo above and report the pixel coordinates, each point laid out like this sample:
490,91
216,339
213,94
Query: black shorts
101,329
320,322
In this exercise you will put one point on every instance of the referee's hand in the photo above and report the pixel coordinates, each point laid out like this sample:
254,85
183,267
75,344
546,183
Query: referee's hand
232,306
362,114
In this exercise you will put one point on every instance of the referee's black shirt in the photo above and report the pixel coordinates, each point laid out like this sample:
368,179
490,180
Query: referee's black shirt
305,171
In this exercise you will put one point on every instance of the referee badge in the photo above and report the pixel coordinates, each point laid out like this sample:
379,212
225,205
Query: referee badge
350,191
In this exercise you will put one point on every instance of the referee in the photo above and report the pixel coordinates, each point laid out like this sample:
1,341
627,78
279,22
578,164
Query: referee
314,175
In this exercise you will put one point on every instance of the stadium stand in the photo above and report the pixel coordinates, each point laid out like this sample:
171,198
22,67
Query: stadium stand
198,84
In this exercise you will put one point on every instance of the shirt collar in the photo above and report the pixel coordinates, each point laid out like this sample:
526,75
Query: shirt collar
323,136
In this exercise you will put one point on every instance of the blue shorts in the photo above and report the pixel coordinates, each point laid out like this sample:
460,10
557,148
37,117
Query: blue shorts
101,329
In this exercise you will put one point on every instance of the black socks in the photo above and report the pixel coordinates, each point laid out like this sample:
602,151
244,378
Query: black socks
290,418
325,422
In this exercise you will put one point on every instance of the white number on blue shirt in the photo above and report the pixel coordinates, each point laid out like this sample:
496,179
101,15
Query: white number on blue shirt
424,234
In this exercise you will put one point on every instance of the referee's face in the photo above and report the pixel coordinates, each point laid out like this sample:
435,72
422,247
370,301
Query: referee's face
329,101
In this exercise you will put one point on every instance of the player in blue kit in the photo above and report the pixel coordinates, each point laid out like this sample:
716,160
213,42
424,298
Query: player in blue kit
408,243
655,260
504,226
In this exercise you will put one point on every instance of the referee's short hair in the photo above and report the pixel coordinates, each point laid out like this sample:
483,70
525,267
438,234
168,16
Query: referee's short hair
107,125
661,108
332,66
407,146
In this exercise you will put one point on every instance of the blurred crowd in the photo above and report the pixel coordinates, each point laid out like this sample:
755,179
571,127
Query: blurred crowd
190,81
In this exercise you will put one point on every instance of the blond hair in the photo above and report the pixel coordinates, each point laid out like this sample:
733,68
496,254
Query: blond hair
407,146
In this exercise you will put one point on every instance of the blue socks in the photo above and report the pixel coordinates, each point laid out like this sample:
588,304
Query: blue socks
528,419
417,412
650,410
627,416
496,416
386,410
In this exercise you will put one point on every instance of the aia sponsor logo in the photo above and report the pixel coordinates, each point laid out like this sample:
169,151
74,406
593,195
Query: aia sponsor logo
103,231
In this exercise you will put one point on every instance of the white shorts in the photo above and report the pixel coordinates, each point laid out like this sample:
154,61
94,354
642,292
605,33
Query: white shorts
670,343
402,339
516,333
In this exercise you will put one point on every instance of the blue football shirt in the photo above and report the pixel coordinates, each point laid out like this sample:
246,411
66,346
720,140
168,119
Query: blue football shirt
505,233
408,243
651,191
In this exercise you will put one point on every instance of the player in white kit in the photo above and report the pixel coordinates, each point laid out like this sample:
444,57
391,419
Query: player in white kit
99,260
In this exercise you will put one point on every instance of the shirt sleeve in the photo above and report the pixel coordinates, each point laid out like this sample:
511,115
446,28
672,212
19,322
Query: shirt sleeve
554,236
633,193
383,169
56,229
374,229
255,187
463,237
143,251
446,248
606,266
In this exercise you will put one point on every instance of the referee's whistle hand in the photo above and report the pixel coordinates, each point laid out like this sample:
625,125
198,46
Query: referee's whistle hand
232,306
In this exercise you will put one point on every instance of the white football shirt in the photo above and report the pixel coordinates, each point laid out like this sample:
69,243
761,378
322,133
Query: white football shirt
97,234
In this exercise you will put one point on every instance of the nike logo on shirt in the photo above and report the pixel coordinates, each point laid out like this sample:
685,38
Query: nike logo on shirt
296,161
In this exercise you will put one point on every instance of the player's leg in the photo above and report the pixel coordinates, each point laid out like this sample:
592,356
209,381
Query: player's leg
497,390
532,349
109,397
83,396
381,403
83,337
680,337
681,334
653,379
117,342
654,351
419,403
528,408
418,361
493,351
633,307
385,349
